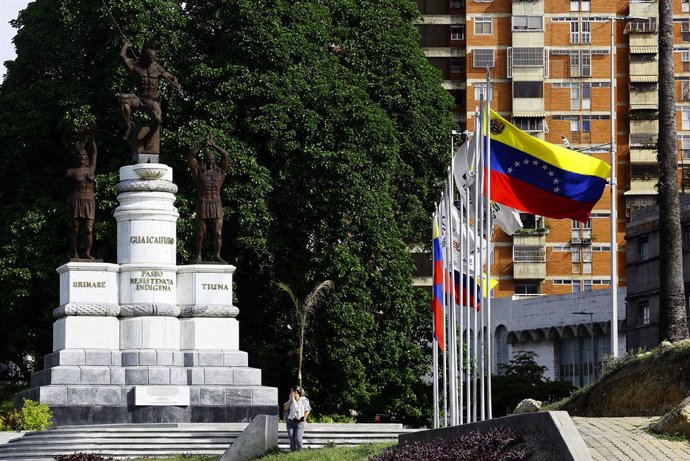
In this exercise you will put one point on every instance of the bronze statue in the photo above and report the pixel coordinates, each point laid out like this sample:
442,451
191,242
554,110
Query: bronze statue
81,201
147,74
208,179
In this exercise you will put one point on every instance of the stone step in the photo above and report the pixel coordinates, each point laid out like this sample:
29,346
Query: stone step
174,439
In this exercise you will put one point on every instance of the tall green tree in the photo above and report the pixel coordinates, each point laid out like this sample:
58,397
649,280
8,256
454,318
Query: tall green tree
673,318
336,128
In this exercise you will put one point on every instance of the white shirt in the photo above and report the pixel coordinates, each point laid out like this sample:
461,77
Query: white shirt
298,408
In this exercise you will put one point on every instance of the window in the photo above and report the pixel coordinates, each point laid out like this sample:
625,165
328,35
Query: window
529,124
576,288
528,57
574,32
483,26
586,96
685,146
685,29
586,59
526,23
582,5
457,3
586,285
482,58
685,55
575,254
685,118
685,90
685,6
480,90
502,354
643,248
526,288
457,32
575,97
574,64
586,36
575,125
528,90
643,312
457,65
529,253
586,124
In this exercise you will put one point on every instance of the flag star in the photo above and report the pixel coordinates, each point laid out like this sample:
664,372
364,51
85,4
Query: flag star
556,189
510,170
544,167
526,161
555,181
535,162
551,173
517,164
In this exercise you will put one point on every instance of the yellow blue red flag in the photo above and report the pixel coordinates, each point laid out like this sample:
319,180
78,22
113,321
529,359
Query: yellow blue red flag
541,178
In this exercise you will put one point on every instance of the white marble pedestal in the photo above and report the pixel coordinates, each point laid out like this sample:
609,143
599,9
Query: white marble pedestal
145,340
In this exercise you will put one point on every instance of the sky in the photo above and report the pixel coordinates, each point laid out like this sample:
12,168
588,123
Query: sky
8,11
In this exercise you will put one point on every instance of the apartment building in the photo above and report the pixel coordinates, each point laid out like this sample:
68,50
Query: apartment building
560,70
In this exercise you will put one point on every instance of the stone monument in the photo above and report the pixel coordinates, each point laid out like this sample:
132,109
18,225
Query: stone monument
145,340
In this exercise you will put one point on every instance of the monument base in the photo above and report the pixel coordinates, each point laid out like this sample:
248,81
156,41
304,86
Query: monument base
89,415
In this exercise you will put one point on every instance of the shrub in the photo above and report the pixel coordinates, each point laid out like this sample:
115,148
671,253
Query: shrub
35,416
82,457
11,420
497,443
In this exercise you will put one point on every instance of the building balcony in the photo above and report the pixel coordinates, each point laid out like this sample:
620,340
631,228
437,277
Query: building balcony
443,52
644,68
529,256
643,140
643,40
647,185
528,105
644,98
638,155
643,126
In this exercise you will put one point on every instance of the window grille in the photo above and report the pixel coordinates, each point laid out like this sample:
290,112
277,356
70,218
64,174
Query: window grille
482,58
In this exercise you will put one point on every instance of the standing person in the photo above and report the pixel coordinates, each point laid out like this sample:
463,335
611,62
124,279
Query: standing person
81,201
208,179
297,410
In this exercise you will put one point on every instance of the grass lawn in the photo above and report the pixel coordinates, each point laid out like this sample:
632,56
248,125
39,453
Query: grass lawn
359,453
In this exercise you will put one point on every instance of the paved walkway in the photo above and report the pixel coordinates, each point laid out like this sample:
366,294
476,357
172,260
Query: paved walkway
623,439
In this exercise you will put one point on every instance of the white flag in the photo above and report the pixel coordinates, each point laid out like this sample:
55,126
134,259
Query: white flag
508,219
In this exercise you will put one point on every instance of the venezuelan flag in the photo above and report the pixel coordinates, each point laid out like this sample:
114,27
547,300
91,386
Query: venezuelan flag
437,295
538,177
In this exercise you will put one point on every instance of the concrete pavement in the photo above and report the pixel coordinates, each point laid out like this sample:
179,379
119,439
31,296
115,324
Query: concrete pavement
624,439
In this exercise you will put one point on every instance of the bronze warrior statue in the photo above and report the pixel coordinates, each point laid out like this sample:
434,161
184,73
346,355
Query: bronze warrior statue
147,74
81,201
208,179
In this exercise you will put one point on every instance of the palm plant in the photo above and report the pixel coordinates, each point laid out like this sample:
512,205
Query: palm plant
303,310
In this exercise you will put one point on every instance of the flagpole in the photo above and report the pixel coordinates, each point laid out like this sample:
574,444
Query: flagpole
462,251
489,226
466,292
483,231
445,323
434,341
475,338
452,344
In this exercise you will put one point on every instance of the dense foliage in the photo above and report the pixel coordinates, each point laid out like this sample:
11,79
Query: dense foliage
336,127
523,378
495,444
33,416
